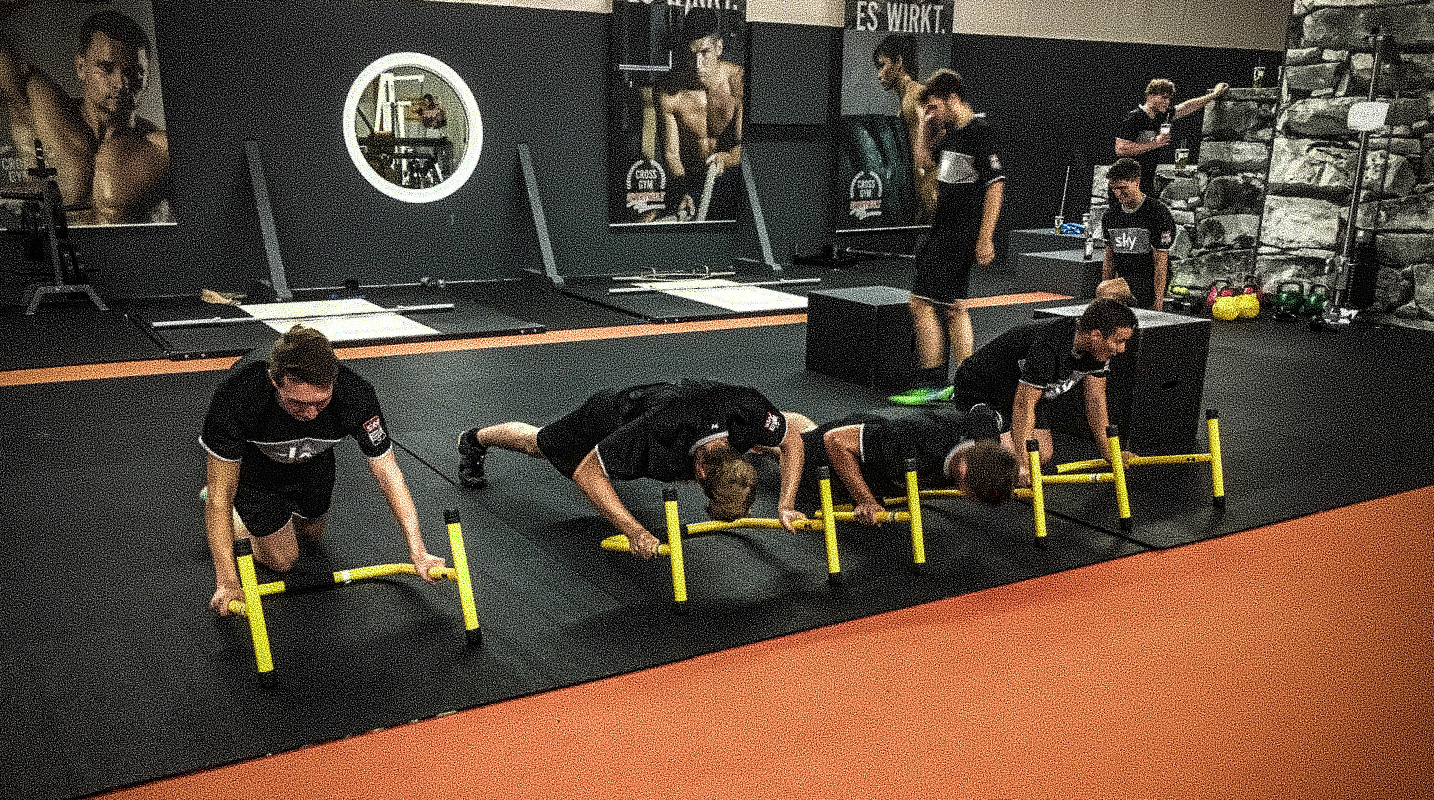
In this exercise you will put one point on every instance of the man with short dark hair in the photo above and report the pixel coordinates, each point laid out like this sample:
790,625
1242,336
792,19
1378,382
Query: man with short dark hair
1146,130
1139,232
692,430
699,107
110,162
270,433
895,58
868,451
959,147
1019,371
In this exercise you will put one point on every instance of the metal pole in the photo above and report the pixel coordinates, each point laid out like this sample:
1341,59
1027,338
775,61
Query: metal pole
1348,260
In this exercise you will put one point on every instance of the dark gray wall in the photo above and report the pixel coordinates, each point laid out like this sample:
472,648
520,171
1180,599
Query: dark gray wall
278,73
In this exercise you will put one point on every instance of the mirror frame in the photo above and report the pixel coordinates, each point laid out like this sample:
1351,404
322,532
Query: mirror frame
461,173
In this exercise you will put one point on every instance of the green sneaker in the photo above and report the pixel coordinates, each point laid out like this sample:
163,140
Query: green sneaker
922,397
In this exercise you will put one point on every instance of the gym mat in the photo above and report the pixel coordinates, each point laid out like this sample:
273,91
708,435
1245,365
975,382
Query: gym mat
71,334
114,661
466,319
659,303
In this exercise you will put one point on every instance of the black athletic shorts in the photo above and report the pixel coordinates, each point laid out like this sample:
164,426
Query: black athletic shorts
566,442
943,265
265,509
1043,412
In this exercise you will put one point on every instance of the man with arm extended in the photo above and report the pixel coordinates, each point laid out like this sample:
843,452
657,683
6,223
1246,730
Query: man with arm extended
1038,361
700,110
270,434
1146,130
693,430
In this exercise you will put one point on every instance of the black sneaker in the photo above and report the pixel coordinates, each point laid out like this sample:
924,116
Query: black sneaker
470,460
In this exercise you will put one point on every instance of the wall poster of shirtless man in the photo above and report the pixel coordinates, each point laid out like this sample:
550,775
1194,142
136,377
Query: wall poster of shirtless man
83,80
887,50
677,94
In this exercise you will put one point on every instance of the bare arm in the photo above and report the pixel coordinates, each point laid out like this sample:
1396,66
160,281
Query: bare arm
1095,412
671,142
921,147
13,72
1162,274
990,212
395,490
1107,263
1023,422
844,451
1128,149
594,483
733,155
793,452
221,483
1196,103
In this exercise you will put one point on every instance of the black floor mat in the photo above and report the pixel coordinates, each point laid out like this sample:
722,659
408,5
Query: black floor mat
71,334
221,330
113,660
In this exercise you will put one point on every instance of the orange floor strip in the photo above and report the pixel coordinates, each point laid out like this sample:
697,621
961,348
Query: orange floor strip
1290,661
129,369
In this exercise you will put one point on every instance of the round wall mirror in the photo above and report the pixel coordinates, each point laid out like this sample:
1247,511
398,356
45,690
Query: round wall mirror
412,127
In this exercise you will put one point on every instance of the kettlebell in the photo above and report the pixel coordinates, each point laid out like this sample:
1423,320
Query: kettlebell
1219,288
1316,301
1248,304
1289,296
1225,308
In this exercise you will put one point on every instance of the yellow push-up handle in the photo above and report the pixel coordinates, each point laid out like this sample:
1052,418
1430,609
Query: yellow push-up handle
1038,494
828,523
1217,472
913,508
254,612
252,606
674,547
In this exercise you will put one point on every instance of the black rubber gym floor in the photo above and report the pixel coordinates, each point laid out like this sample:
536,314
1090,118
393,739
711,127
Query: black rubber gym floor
117,673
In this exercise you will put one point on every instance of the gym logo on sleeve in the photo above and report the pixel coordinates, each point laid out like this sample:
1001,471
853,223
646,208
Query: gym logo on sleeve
374,429
773,422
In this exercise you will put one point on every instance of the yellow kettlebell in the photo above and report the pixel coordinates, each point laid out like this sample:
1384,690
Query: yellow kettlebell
1249,305
1225,308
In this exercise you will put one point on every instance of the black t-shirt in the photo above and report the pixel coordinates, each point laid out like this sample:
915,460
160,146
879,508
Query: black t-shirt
1139,127
246,423
966,164
677,418
1034,353
889,437
1133,238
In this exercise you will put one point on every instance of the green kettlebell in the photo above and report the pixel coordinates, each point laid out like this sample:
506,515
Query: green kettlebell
1316,301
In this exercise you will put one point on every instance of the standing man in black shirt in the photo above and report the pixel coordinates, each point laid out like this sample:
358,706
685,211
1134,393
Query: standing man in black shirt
1146,130
270,434
1041,360
958,145
1138,234
952,448
693,430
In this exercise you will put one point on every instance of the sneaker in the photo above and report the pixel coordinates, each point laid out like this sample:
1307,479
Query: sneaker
924,396
470,460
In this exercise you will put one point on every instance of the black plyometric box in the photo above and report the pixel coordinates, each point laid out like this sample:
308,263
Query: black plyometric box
1156,389
1064,272
862,335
